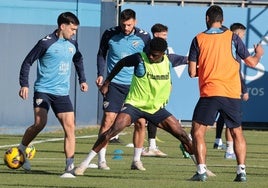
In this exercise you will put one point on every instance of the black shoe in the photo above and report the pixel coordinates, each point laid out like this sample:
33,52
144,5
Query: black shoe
241,177
199,177
115,141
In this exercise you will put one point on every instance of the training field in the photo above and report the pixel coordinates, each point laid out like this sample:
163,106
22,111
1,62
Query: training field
173,171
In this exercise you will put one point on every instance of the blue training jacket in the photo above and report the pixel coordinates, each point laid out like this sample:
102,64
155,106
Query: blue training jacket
114,46
54,57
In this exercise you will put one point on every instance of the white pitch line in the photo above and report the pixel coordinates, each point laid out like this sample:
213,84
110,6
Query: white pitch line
52,140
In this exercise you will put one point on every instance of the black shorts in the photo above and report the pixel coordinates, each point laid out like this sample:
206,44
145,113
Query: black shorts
135,114
58,104
207,108
115,97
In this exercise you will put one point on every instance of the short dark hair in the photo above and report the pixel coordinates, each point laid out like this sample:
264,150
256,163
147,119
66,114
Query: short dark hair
236,26
158,28
215,14
127,14
158,44
67,18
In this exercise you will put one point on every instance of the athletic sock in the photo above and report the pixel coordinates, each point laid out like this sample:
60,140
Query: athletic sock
218,141
241,169
101,155
88,159
137,154
201,168
69,164
230,147
22,148
152,143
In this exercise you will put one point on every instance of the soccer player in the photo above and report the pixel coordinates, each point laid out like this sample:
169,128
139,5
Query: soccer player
149,92
159,30
115,44
55,54
212,59
240,30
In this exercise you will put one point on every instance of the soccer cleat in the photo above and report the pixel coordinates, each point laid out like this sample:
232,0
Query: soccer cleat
219,147
103,166
241,177
26,165
210,173
229,156
67,175
199,177
69,172
185,153
115,141
79,171
153,153
137,165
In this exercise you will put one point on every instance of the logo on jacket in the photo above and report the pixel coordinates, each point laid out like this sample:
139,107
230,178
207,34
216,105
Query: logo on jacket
135,43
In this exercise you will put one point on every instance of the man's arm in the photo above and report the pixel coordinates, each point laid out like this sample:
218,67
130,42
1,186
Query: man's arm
128,61
38,50
79,66
177,60
192,69
193,58
252,61
102,53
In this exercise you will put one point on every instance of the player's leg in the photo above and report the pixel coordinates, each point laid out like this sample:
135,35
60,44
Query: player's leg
218,144
229,153
240,151
171,125
205,111
112,104
153,150
63,110
41,107
107,122
198,132
68,123
232,109
122,120
138,140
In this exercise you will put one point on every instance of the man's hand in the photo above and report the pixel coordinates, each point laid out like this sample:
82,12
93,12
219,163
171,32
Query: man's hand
23,93
99,81
83,87
104,88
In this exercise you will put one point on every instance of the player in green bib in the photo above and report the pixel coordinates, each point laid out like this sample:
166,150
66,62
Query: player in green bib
149,93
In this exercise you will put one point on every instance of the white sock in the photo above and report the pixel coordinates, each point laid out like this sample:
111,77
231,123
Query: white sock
201,168
152,143
137,154
241,169
87,160
230,147
101,155
218,141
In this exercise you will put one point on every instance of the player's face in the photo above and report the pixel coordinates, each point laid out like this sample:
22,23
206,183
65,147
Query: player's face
68,30
128,26
240,33
163,34
155,56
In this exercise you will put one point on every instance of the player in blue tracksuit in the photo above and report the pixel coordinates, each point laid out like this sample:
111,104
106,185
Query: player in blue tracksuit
54,54
117,43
